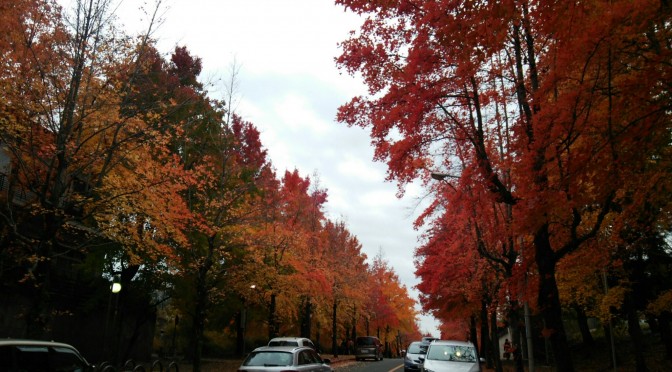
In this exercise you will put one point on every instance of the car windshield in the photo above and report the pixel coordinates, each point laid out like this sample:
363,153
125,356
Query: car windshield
268,359
453,353
417,348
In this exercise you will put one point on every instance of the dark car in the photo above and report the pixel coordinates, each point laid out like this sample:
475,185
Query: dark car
44,356
412,360
368,347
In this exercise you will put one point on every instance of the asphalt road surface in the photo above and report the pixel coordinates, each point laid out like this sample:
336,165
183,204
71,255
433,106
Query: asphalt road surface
385,365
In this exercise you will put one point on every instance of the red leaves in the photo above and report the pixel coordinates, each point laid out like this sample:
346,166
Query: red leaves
548,113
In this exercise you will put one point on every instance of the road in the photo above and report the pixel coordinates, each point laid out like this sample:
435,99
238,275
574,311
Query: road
386,365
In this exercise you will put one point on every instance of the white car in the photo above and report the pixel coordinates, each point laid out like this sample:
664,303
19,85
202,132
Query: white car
451,356
285,359
292,341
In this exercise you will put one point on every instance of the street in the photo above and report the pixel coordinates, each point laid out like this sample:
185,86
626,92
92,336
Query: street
386,365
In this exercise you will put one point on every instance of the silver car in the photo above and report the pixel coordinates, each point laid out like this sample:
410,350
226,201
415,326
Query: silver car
292,341
451,356
285,358
415,350
34,355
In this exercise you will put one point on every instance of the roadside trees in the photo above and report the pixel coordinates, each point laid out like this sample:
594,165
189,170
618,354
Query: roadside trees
584,88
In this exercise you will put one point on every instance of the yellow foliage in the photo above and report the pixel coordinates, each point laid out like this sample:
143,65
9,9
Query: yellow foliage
661,304
613,299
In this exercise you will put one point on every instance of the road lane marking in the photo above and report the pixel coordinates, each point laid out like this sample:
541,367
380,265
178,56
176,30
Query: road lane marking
395,368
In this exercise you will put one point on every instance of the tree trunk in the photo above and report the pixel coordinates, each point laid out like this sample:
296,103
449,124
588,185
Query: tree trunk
549,300
199,321
334,344
485,329
306,317
666,333
637,338
272,319
514,325
494,342
473,331
240,332
582,319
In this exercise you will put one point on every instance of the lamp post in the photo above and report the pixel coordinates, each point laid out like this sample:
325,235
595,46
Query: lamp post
115,288
243,320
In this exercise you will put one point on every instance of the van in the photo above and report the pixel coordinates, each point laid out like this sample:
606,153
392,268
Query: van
368,347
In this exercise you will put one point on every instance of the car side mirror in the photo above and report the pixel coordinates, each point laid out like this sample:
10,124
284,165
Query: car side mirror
422,358
326,361
482,360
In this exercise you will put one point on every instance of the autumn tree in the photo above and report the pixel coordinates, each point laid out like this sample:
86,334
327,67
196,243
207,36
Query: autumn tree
389,305
283,250
582,84
348,280
77,162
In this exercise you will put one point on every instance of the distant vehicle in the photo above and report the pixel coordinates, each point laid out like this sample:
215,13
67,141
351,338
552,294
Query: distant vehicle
292,341
368,347
451,356
284,359
412,356
33,355
428,340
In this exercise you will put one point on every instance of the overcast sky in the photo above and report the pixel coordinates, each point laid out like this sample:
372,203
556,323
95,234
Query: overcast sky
289,88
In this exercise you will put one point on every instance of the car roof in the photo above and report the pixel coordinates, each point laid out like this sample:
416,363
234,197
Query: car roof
452,342
289,339
24,342
286,349
420,343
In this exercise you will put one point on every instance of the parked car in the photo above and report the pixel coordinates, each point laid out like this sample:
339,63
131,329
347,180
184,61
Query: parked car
412,356
451,356
285,359
44,356
368,347
292,341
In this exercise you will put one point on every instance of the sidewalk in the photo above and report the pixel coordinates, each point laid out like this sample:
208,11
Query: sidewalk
339,359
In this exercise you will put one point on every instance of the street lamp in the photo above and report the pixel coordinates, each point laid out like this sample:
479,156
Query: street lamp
115,288
441,176
243,322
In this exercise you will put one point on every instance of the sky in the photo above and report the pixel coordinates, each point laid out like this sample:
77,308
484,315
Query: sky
288,86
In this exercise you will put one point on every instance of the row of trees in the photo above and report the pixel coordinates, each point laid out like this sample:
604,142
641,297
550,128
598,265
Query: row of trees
119,161
548,126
